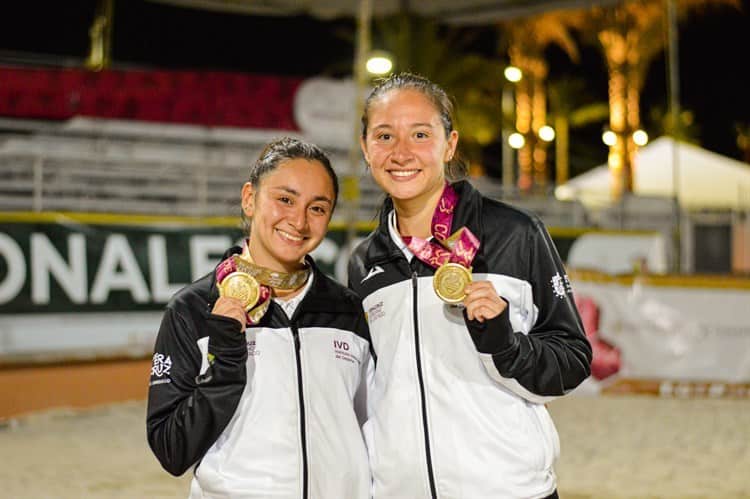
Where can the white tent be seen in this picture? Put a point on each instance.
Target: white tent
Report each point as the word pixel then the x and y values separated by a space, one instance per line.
pixel 704 179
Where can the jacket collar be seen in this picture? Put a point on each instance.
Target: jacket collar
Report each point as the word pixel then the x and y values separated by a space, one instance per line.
pixel 467 214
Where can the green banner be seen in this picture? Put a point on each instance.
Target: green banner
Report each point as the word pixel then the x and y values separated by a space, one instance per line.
pixel 70 266
pixel 96 263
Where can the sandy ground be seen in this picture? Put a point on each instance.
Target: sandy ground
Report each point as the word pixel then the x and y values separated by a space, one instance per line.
pixel 612 447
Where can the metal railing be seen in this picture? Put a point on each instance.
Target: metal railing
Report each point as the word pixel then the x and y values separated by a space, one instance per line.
pixel 140 169
pixel 117 166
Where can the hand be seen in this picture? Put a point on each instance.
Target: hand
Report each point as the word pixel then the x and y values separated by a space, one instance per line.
pixel 482 301
pixel 230 307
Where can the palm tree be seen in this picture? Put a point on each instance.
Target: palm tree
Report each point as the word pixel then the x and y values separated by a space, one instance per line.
pixel 527 38
pixel 570 107
pixel 100 35
pixel 631 34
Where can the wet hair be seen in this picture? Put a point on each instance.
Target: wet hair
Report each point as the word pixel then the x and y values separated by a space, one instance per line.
pixel 280 151
pixel 455 168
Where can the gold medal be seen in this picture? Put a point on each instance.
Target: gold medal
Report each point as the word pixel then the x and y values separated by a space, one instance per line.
pixel 242 286
pixel 450 282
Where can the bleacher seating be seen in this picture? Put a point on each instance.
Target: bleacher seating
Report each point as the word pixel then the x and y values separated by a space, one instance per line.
pixel 116 166
pixel 161 142
pixel 210 98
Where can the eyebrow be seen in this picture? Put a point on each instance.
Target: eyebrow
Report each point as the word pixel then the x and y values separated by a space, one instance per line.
pixel 296 193
pixel 413 125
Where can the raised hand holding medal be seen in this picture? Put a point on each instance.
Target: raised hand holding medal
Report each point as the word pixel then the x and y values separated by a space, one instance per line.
pixel 482 301
pixel 241 286
pixel 253 286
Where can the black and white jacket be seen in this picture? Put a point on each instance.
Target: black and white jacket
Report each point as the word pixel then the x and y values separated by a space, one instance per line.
pixel 272 411
pixel 457 408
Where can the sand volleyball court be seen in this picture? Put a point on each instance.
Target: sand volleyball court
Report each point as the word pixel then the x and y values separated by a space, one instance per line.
pixel 613 446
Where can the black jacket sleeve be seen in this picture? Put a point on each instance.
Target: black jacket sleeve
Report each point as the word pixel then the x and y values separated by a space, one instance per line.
pixel 555 356
pixel 187 411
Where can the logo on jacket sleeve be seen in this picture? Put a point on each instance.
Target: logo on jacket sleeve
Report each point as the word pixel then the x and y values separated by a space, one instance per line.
pixel 160 367
pixel 561 285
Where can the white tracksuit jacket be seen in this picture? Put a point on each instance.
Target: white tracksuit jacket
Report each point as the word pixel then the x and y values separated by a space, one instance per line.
pixel 457 409
pixel 270 412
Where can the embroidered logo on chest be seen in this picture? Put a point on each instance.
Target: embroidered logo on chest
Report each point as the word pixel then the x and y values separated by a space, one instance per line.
pixel 342 351
pixel 375 312
pixel 252 351
pixel 377 269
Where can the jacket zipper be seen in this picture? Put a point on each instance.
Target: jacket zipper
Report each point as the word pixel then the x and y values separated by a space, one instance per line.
pixel 295 333
pixel 430 473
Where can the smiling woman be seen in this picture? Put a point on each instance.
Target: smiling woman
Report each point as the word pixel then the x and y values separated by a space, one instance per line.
pixel 406 147
pixel 289 214
pixel 481 327
pixel 243 420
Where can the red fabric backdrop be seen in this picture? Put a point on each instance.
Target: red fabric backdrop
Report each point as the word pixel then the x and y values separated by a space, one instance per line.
pixel 202 98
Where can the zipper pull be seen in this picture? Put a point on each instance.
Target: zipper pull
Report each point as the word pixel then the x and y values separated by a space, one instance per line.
pixel 295 333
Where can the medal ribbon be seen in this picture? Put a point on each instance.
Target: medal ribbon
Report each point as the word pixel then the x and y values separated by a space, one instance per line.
pixel 271 278
pixel 267 279
pixel 460 247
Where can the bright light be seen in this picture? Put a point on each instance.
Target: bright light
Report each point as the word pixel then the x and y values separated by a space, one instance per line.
pixel 640 138
pixel 609 137
pixel 513 74
pixel 547 133
pixel 379 64
pixel 516 140
pixel 565 192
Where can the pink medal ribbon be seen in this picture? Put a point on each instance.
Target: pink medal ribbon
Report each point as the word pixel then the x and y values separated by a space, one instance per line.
pixel 451 256
pixel 460 247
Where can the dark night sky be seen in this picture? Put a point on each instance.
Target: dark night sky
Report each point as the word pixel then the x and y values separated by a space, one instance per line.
pixel 713 53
